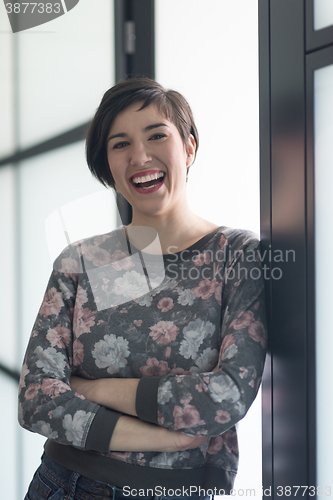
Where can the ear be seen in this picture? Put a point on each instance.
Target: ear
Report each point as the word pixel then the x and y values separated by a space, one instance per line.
pixel 191 151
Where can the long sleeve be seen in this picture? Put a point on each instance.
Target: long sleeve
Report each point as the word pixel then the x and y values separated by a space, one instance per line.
pixel 211 402
pixel 47 405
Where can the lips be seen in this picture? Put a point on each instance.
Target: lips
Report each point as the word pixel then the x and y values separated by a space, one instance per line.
pixel 148 181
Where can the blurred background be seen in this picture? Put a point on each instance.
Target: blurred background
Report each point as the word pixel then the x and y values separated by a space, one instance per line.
pixel 52 78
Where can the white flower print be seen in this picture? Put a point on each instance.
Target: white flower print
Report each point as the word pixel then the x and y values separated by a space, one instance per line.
pixel 223 388
pixel 165 459
pixel 51 361
pixel 44 429
pixel 145 300
pixel 167 284
pixel 230 352
pixel 207 361
pixel 75 426
pixel 194 334
pixel 165 393
pixel 131 284
pixel 186 297
pixel 111 353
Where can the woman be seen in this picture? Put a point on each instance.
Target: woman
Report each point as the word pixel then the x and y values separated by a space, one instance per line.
pixel 137 377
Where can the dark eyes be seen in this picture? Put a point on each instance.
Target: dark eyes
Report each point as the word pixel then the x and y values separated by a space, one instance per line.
pixel 123 144
pixel 157 136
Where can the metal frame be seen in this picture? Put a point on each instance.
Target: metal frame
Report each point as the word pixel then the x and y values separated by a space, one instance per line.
pixel 289 52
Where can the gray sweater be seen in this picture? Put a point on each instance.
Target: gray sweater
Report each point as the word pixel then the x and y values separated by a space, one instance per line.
pixel 98 319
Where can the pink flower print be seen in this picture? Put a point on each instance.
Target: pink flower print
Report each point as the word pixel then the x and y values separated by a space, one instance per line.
pixel 120 260
pixel 137 322
pixel 52 303
pixel 165 304
pixel 53 387
pixel 187 417
pixel 215 445
pixel 121 455
pixel 70 267
pixel 244 320
pixel 227 342
pixel 223 241
pixel 155 368
pixel 257 332
pixel 243 372
pixel 97 255
pixel 180 371
pixel 84 319
pixel 201 259
pixel 205 289
pixel 199 387
pixel 32 391
pixel 164 332
pixel 256 305
pixel 81 296
pixel 218 293
pixel 167 352
pixel 59 336
pixel 78 352
pixel 222 417
pixel 230 441
pixel 123 310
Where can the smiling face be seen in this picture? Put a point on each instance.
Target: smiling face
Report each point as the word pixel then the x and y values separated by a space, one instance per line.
pixel 148 161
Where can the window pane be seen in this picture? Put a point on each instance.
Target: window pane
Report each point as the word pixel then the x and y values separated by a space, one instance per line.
pixel 9 474
pixel 323 14
pixel 8 305
pixel 6 86
pixel 65 66
pixel 47 183
pixel 212 58
pixel 324 272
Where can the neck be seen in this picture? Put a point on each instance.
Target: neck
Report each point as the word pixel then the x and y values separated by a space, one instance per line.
pixel 174 229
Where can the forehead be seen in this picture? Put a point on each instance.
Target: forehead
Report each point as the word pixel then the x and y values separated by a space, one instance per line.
pixel 133 116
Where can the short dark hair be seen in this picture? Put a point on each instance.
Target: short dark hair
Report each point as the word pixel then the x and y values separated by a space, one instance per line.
pixel 171 104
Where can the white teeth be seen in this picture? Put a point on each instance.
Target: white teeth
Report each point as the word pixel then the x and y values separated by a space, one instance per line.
pixel 146 178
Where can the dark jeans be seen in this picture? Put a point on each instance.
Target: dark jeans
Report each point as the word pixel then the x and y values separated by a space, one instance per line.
pixel 54 482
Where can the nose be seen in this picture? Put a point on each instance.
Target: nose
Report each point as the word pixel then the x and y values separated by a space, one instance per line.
pixel 139 155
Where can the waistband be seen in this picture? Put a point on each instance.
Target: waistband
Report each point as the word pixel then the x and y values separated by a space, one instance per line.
pixel 108 470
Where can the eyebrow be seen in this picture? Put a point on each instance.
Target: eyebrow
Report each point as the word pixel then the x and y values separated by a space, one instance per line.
pixel 146 129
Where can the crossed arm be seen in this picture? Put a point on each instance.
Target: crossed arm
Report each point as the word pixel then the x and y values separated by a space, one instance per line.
pixel 130 433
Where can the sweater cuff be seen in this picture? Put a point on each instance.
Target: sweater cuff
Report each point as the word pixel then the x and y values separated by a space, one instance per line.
pixel 146 399
pixel 101 430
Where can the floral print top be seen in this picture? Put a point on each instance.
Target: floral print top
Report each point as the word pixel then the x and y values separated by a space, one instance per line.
pixel 196 339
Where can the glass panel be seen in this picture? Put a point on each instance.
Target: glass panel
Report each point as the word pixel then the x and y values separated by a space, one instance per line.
pixel 65 66
pixel 6 86
pixel 323 93
pixel 8 305
pixel 47 183
pixel 9 474
pixel 323 14
pixel 217 71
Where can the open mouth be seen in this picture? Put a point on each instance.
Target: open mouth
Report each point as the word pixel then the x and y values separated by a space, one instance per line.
pixel 148 182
